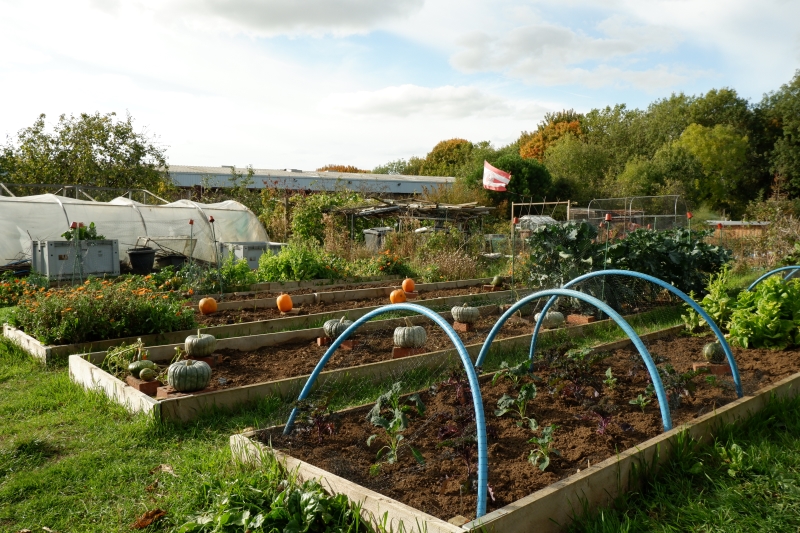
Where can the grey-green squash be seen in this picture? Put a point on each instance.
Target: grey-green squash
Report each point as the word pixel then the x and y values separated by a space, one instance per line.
pixel 148 374
pixel 189 375
pixel 410 336
pixel 497 281
pixel 553 319
pixel 200 345
pixel 333 328
pixel 465 314
pixel 713 353
pixel 136 367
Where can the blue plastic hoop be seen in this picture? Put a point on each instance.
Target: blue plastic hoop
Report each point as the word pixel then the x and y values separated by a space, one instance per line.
pixel 480 422
pixel 737 380
pixel 772 272
pixel 661 394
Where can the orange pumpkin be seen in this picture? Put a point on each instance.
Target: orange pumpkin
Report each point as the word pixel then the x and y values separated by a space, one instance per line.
pixel 408 285
pixel 207 306
pixel 284 302
pixel 398 296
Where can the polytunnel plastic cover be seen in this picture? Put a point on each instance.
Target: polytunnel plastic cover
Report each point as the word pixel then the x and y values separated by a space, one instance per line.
pixel 45 217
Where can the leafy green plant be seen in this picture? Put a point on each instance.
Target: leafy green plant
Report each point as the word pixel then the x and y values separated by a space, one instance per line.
pixel 100 309
pixel 540 455
pixel 678 385
pixel 641 401
pixel 394 422
pixel 768 316
pixel 561 252
pixel 610 382
pixel 82 233
pixel 518 406
pixel 679 257
pixel 514 373
pixel 119 357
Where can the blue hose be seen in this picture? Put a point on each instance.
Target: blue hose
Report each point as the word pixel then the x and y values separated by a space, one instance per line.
pixel 771 272
pixel 648 361
pixel 480 422
pixel 737 380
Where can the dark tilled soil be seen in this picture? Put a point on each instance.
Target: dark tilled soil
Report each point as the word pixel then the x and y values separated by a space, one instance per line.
pixel 296 359
pixel 441 487
pixel 235 316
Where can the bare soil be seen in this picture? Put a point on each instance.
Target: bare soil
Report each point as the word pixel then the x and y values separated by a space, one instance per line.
pixel 235 316
pixel 299 358
pixel 230 297
pixel 443 487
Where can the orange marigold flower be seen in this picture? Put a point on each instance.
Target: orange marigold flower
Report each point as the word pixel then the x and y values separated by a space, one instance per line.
pixel 98 297
pixel 165 297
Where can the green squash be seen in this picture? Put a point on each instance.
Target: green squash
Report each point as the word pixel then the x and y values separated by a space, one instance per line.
pixel 497 281
pixel 136 367
pixel 410 336
pixel 334 328
pixel 200 345
pixel 465 314
pixel 713 353
pixel 148 374
pixel 189 375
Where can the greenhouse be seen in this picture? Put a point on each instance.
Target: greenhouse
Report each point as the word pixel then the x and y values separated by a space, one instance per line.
pixel 183 227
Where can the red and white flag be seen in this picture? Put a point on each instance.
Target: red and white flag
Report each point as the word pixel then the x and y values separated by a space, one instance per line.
pixel 494 179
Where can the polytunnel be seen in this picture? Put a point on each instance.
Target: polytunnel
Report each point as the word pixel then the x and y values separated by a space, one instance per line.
pixel 46 217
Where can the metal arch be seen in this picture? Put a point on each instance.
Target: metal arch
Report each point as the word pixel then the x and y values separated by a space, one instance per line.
pixel 64 209
pixel 648 361
pixel 793 268
pixel 144 224
pixel 661 283
pixel 480 422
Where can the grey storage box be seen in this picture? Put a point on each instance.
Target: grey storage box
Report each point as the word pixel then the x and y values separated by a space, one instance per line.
pixel 375 237
pixel 251 251
pixel 61 260
pixel 276 247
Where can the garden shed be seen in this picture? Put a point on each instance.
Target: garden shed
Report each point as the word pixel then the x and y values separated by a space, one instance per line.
pixel 46 217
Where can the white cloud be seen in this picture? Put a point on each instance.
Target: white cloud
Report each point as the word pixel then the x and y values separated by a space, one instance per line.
pixel 449 102
pixel 293 17
pixel 554 55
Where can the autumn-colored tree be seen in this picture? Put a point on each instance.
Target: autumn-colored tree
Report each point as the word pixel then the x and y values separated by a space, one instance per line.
pixel 533 145
pixel 342 168
pixel 446 158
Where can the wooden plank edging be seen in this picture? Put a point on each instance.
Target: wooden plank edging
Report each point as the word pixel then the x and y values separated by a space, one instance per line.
pixel 92 377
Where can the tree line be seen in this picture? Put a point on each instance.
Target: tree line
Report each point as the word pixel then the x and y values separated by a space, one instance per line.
pixel 717 150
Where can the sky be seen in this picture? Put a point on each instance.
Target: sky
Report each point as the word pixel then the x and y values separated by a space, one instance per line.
pixel 304 83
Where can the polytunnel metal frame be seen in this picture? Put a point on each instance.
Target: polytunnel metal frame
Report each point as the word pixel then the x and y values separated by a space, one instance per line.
pixel 661 394
pixel 661 283
pixel 793 268
pixel 480 422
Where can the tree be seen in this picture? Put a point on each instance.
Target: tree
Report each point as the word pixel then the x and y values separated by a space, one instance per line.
pixel 782 109
pixel 577 168
pixel 529 178
pixel 555 125
pixel 722 153
pixel 446 158
pixel 96 150
pixel 342 168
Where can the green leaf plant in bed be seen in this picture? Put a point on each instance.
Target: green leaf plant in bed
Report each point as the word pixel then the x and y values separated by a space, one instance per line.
pixel 768 316
pixel 540 455
pixel 389 413
pixel 518 406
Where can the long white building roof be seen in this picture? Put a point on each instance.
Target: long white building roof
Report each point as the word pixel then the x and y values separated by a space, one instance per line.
pixel 191 176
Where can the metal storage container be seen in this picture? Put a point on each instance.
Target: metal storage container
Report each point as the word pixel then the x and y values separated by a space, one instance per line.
pixel 374 238
pixel 251 251
pixel 61 260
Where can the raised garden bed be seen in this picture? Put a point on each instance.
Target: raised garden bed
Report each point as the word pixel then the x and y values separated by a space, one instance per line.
pixel 346 287
pixel 526 499
pixel 47 354
pixel 84 369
